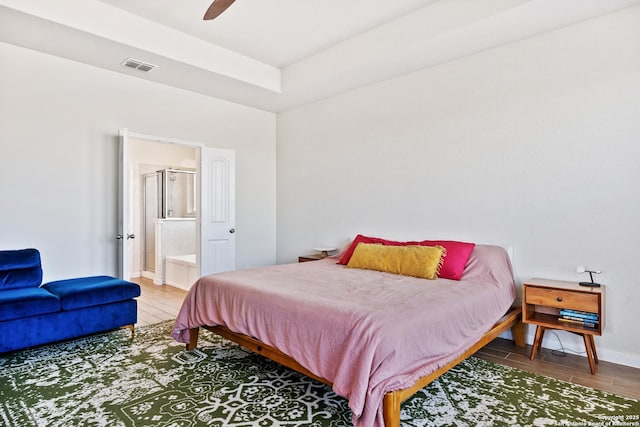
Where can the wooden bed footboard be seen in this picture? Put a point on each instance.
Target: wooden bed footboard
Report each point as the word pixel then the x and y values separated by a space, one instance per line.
pixel 393 399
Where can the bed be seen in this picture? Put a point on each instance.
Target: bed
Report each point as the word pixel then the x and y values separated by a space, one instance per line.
pixel 375 337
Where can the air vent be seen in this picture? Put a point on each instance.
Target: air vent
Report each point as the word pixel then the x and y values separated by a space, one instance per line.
pixel 138 65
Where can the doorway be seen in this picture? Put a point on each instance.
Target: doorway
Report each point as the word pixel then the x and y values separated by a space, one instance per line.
pixel 193 217
pixel 163 211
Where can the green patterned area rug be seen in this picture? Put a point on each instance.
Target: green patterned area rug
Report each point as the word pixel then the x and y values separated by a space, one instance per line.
pixel 109 380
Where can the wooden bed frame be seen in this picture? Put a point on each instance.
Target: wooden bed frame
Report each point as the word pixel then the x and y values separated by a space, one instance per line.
pixel 393 399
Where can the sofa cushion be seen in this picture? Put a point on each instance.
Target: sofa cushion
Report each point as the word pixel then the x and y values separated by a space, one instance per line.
pixel 90 291
pixel 26 302
pixel 20 269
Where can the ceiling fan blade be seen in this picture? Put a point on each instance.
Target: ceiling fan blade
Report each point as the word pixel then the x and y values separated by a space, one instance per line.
pixel 216 8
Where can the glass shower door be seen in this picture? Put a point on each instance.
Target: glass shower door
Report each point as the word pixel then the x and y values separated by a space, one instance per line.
pixel 178 199
pixel 151 213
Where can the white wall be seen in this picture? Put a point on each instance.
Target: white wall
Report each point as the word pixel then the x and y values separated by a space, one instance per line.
pixel 534 144
pixel 58 151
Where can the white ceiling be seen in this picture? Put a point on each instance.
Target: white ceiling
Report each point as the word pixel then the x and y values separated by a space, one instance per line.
pixel 279 54
pixel 277 32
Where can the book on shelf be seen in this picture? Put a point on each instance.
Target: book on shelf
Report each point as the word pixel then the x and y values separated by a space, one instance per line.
pixel 579 314
pixel 580 322
pixel 579 319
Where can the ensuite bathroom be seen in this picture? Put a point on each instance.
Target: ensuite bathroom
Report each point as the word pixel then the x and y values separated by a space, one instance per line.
pixel 163 212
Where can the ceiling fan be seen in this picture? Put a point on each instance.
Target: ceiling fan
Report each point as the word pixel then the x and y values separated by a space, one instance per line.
pixel 216 8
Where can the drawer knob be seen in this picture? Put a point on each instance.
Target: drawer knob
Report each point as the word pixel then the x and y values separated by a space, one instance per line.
pixel 559 299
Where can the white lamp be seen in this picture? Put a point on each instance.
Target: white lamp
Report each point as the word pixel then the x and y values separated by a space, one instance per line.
pixel 324 250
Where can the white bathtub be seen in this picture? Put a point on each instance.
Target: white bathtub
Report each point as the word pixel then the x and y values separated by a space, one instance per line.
pixel 180 271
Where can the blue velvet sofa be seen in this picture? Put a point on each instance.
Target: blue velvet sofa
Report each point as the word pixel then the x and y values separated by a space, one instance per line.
pixel 32 313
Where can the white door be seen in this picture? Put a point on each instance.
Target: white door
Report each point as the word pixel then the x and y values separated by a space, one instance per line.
pixel 124 233
pixel 216 210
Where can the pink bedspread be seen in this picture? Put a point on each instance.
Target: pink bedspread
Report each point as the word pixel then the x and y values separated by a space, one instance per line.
pixel 365 331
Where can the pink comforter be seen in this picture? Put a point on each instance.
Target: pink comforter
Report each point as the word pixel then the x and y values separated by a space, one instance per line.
pixel 365 331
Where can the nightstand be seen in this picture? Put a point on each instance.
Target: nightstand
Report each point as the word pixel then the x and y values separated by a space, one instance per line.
pixel 312 257
pixel 567 306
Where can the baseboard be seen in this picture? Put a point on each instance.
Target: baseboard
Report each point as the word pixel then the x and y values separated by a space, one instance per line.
pixel 148 274
pixel 177 285
pixel 632 360
pixel 556 340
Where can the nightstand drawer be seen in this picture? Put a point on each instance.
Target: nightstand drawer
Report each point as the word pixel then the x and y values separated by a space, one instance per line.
pixel 558 298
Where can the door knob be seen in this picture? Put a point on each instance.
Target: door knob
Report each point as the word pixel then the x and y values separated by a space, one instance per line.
pixel 232 230
pixel 119 236
pixel 131 236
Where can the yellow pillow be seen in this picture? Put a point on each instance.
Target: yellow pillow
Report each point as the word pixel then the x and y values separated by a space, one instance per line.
pixel 415 261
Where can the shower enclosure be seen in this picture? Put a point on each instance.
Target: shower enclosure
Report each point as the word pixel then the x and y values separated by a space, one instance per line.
pixel 168 194
pixel 178 193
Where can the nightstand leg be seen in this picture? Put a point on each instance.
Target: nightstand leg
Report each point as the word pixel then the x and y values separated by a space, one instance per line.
pixel 590 352
pixel 593 347
pixel 537 342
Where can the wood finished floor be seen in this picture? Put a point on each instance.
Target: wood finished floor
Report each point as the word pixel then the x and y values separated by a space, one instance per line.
pixel 162 302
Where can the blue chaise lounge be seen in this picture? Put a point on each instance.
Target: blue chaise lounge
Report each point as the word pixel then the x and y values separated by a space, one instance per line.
pixel 32 313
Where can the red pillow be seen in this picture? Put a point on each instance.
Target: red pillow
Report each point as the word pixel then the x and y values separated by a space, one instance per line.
pixel 364 239
pixel 456 257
